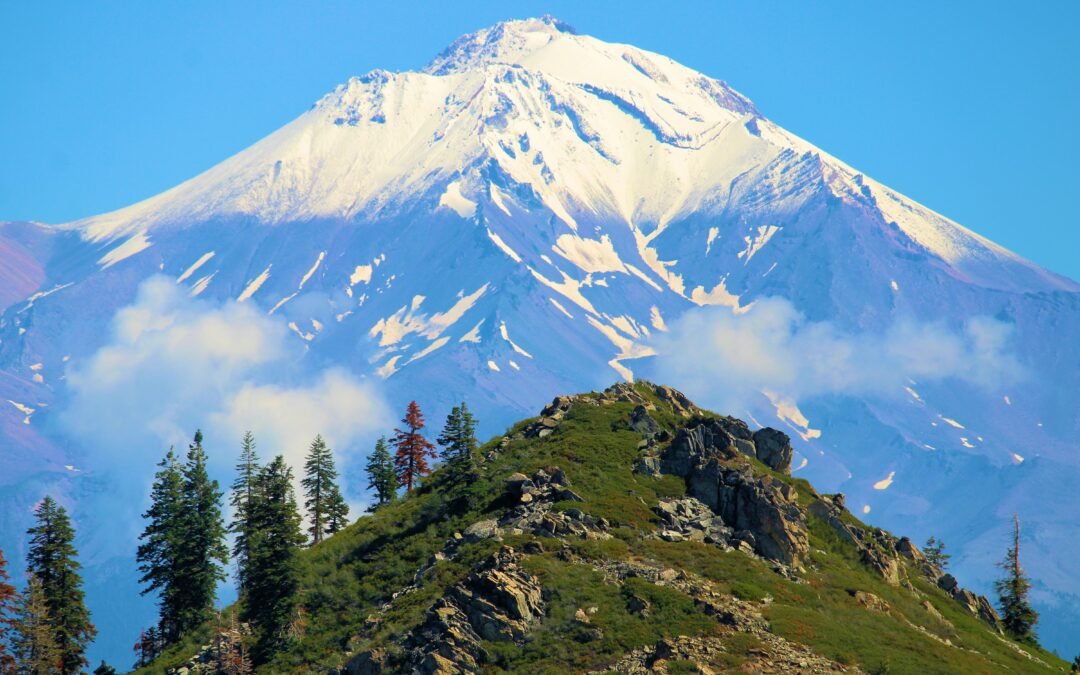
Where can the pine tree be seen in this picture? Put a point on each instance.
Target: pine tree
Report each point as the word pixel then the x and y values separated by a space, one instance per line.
pixel 935 554
pixel 52 562
pixel 321 493
pixel 382 477
pixel 273 579
pixel 413 450
pixel 243 492
pixel 159 553
pixel 1018 617
pixel 204 553
pixel 9 599
pixel 33 640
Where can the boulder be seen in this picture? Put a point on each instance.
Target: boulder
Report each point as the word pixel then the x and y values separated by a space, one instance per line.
pixel 482 529
pixel 774 449
pixel 870 601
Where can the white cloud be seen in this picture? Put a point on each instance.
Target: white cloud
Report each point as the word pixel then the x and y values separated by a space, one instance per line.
pixel 730 358
pixel 172 364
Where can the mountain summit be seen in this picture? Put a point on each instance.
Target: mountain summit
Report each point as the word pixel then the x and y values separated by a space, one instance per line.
pixel 535 212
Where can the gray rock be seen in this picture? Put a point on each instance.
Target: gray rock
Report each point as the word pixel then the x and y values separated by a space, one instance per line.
pixel 482 529
pixel 774 449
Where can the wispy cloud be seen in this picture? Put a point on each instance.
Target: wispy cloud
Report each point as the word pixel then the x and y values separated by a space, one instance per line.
pixel 731 358
pixel 172 363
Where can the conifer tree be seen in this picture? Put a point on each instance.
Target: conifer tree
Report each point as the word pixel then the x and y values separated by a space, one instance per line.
pixel 159 553
pixel 337 512
pixel 935 553
pixel 382 477
pixel 413 450
pixel 51 560
pixel 204 553
pixel 33 640
pixel 458 439
pixel 9 599
pixel 273 579
pixel 104 669
pixel 321 494
pixel 458 436
pixel 243 493
pixel 1018 617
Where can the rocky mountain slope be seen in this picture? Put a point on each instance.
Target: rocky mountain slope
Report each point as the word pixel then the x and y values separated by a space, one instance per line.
pixel 629 531
pixel 535 212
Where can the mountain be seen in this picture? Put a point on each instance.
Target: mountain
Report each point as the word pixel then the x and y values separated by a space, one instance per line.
pixel 626 531
pixel 536 212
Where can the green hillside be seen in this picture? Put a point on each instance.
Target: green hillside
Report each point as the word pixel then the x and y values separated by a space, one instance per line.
pixel 627 531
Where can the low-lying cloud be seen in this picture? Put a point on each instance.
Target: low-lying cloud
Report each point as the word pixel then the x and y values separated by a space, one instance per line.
pixel 172 364
pixel 733 357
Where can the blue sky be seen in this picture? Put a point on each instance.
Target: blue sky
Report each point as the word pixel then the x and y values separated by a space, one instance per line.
pixel 970 108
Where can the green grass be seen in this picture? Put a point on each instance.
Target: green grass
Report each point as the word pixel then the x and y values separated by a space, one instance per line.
pixel 346 578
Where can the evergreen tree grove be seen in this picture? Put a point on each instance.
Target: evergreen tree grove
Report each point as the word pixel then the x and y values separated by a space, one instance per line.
pixel 382 477
pixel 51 561
pixel 243 495
pixel 33 639
pixel 273 579
pixel 413 450
pixel 1018 617
pixel 8 605
pixel 322 498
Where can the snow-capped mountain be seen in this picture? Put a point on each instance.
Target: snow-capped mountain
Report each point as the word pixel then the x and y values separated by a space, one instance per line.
pixel 531 214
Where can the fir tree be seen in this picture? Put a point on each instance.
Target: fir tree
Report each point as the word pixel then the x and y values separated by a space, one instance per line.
pixel 243 493
pixel 337 512
pixel 51 560
pixel 935 554
pixel 413 450
pixel 273 579
pixel 148 647
pixel 159 553
pixel 382 477
pixel 8 605
pixel 1018 617
pixel 104 669
pixel 202 557
pixel 33 640
pixel 458 436
pixel 321 493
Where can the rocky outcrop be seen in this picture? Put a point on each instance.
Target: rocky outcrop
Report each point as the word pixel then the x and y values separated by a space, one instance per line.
pixel 773 449
pixel 534 513
pixel 877 549
pixel 976 605
pixel 765 509
pixel 498 602
pixel 691 520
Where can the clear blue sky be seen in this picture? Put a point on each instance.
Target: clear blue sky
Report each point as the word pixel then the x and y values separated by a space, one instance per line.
pixel 970 108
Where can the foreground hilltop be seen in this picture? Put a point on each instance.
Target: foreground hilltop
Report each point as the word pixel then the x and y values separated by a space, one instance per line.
pixel 627 531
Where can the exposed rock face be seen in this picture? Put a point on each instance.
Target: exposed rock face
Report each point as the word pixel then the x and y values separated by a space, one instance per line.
pixel 976 605
pixel 878 549
pixel 870 601
pixel 774 449
pixel 498 601
pixel 766 508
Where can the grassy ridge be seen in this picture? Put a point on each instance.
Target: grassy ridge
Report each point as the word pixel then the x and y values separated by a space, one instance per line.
pixel 347 577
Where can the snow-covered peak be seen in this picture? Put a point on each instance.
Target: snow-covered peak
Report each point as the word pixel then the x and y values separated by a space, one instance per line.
pixel 592 129
pixel 505 42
